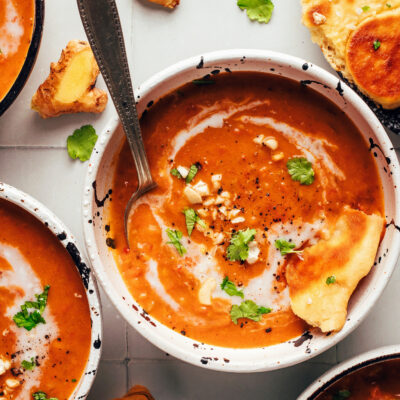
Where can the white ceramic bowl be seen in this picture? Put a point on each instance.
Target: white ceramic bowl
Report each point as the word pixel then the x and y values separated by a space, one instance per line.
pixel 49 219
pixel 100 173
pixel 354 364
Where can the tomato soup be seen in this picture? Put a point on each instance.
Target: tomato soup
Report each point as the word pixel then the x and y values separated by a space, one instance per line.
pixel 45 348
pixel 376 382
pixel 204 257
pixel 16 28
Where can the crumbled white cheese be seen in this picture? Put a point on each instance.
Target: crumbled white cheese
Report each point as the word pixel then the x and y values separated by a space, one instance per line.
pixel 234 212
pixel 271 143
pixel 209 202
pixel 205 291
pixel 218 238
pixel 201 188
pixel 222 210
pixel 226 195
pixel 202 212
pixel 183 171
pixel 254 252
pixel 318 18
pixel 278 156
pixel 12 383
pixel 216 181
pixel 192 195
pixel 5 365
pixel 237 220
pixel 258 139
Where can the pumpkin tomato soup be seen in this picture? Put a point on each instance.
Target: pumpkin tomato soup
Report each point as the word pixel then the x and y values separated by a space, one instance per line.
pixel 254 172
pixel 16 28
pixel 379 381
pixel 44 315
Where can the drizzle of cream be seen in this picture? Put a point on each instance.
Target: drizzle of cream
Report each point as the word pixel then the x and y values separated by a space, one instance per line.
pixel 28 343
pixel 11 31
pixel 313 148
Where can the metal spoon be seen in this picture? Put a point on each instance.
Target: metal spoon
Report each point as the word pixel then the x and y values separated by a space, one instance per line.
pixel 103 28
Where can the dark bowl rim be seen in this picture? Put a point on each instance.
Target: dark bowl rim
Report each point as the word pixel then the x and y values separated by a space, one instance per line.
pixel 353 368
pixel 29 60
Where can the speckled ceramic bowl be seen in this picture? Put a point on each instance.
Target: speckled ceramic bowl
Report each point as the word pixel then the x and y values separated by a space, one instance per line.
pixel 30 59
pixel 354 364
pixel 66 238
pixel 97 194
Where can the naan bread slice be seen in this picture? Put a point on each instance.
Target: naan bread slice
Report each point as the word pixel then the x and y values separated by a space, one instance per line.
pixel 332 22
pixel 348 254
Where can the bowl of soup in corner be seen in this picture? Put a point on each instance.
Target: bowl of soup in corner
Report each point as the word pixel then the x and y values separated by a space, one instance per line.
pixel 272 231
pixel 373 375
pixel 21 25
pixel 50 316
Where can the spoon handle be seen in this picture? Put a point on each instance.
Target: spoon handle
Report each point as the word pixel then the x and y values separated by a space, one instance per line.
pixel 103 29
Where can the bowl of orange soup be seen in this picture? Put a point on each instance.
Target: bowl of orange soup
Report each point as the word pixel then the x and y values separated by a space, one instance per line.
pixel 21 25
pixel 373 375
pixel 274 226
pixel 50 319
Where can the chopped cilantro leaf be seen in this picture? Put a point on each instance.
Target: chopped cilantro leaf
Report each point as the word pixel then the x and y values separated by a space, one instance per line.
pixel 192 173
pixel 257 10
pixel 81 143
pixel 248 309
pixel 285 247
pixel 42 396
pixel 28 365
pixel 175 237
pixel 176 173
pixel 365 8
pixel 191 218
pixel 28 320
pixel 300 169
pixel 388 5
pixel 73 380
pixel 342 394
pixel 230 288
pixel 377 44
pixel 238 250
pixel 330 280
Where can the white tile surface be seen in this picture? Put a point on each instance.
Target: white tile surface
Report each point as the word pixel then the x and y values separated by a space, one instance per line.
pixel 33 158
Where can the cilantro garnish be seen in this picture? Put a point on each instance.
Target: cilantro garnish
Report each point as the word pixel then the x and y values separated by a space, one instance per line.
pixel 248 309
pixel 192 173
pixel 300 169
pixel 81 143
pixel 238 250
pixel 365 8
pixel 342 394
pixel 191 218
pixel 175 237
pixel 286 247
pixel 330 280
pixel 42 396
pixel 230 288
pixel 28 365
pixel 257 10
pixel 28 320
pixel 176 173
pixel 377 44
pixel 388 5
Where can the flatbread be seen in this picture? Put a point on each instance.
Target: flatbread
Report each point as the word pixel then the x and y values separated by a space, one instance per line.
pixel 333 22
pixel 347 254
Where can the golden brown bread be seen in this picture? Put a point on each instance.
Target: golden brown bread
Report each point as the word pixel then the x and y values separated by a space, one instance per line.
pixel 166 3
pixel 333 22
pixel 347 254
pixel 70 86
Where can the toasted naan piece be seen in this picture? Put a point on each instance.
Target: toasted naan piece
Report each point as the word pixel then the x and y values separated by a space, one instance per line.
pixel 333 22
pixel 166 3
pixel 347 254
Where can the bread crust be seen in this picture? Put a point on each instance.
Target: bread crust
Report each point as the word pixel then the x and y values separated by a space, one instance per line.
pixel 333 22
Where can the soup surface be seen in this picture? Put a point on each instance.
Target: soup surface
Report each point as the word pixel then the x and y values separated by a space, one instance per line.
pixel 48 356
pixel 16 27
pixel 376 382
pixel 202 285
